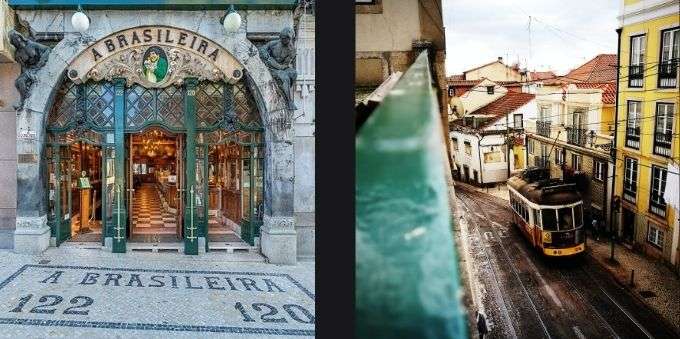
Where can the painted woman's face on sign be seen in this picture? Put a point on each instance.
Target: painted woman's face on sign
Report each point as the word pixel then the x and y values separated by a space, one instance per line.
pixel 155 65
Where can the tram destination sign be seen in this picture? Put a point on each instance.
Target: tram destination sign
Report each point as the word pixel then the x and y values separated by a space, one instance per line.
pixel 160 300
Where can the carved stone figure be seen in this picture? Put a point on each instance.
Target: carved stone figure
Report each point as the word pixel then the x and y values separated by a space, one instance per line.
pixel 31 56
pixel 279 55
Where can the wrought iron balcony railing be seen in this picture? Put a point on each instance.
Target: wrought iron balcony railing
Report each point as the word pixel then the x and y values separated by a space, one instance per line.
pixel 629 192
pixel 576 136
pixel 633 137
pixel 668 73
pixel 403 218
pixel 662 143
pixel 543 128
pixel 635 75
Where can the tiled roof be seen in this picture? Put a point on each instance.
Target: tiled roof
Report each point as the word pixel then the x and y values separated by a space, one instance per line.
pixel 456 77
pixel 464 82
pixel 608 90
pixel 460 87
pixel 500 107
pixel 541 75
pixel 601 68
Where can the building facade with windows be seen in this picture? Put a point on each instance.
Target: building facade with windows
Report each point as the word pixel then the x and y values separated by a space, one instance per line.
pixel 573 131
pixel 390 35
pixel 648 128
pixel 487 143
pixel 156 123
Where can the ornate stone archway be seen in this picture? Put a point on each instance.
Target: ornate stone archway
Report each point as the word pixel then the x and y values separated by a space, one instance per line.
pixel 240 58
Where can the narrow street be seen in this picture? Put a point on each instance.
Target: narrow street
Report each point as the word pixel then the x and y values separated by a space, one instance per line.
pixel 527 296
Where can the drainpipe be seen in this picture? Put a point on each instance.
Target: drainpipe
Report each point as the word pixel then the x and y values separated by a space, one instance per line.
pixel 616 134
pixel 507 139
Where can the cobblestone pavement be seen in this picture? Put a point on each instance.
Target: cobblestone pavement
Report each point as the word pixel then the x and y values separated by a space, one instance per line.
pixel 650 276
pixel 525 295
pixel 72 292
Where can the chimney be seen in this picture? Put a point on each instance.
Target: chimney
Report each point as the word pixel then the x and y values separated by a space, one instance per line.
pixel 500 59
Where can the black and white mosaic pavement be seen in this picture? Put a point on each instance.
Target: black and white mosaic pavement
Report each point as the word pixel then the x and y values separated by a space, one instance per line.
pixel 136 295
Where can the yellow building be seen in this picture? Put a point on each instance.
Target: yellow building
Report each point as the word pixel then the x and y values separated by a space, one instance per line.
pixel 648 127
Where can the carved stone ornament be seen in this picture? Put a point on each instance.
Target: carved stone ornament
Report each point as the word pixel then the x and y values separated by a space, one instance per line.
pixel 32 56
pixel 279 56
pixel 130 64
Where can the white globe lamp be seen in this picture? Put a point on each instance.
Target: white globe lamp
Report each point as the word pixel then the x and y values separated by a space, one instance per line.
pixel 232 21
pixel 80 21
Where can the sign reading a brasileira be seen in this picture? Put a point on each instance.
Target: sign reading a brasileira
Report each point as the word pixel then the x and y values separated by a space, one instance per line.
pixel 220 302
pixel 155 56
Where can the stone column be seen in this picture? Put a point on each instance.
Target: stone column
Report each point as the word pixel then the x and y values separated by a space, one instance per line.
pixel 32 235
pixel 278 236
pixel 304 124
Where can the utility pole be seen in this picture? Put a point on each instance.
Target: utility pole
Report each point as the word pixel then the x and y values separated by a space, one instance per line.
pixel 616 204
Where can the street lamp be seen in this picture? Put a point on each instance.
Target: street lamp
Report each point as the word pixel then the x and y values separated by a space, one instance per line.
pixel 80 21
pixel 231 21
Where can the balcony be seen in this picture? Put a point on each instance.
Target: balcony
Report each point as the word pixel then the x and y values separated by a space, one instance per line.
pixel 633 137
pixel 543 128
pixel 576 136
pixel 542 161
pixel 657 208
pixel 635 75
pixel 668 72
pixel 629 193
pixel 662 143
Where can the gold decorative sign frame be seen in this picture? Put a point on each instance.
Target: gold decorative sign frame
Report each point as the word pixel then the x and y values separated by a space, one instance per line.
pixel 181 53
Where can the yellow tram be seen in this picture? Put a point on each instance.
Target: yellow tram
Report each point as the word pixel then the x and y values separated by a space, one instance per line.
pixel 549 212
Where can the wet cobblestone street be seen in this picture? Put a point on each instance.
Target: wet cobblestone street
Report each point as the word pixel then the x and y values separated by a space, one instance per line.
pixel 525 295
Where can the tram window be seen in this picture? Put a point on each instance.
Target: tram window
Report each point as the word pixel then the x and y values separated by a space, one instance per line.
pixel 578 215
pixel 537 218
pixel 566 219
pixel 549 220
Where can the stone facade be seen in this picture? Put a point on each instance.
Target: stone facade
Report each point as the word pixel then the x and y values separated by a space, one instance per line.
pixel 288 203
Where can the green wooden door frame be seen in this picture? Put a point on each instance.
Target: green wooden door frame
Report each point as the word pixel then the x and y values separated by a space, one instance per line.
pixel 190 217
pixel 120 209
pixel 61 226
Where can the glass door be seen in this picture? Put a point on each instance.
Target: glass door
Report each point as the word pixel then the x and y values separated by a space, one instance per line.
pixel 180 183
pixel 201 190
pixel 108 191
pixel 59 184
pixel 129 184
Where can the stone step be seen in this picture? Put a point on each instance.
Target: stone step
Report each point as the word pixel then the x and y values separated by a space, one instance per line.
pixel 231 247
pixel 171 247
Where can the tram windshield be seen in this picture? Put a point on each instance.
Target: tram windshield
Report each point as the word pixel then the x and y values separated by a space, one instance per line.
pixel 562 219
pixel 566 219
pixel 549 220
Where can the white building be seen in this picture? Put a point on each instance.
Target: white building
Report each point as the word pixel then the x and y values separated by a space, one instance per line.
pixel 479 140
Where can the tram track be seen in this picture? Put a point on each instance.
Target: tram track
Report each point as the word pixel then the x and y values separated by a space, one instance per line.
pixel 594 305
pixel 584 301
pixel 509 262
pixel 497 282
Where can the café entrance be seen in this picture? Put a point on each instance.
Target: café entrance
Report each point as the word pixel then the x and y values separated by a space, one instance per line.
pixel 130 164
